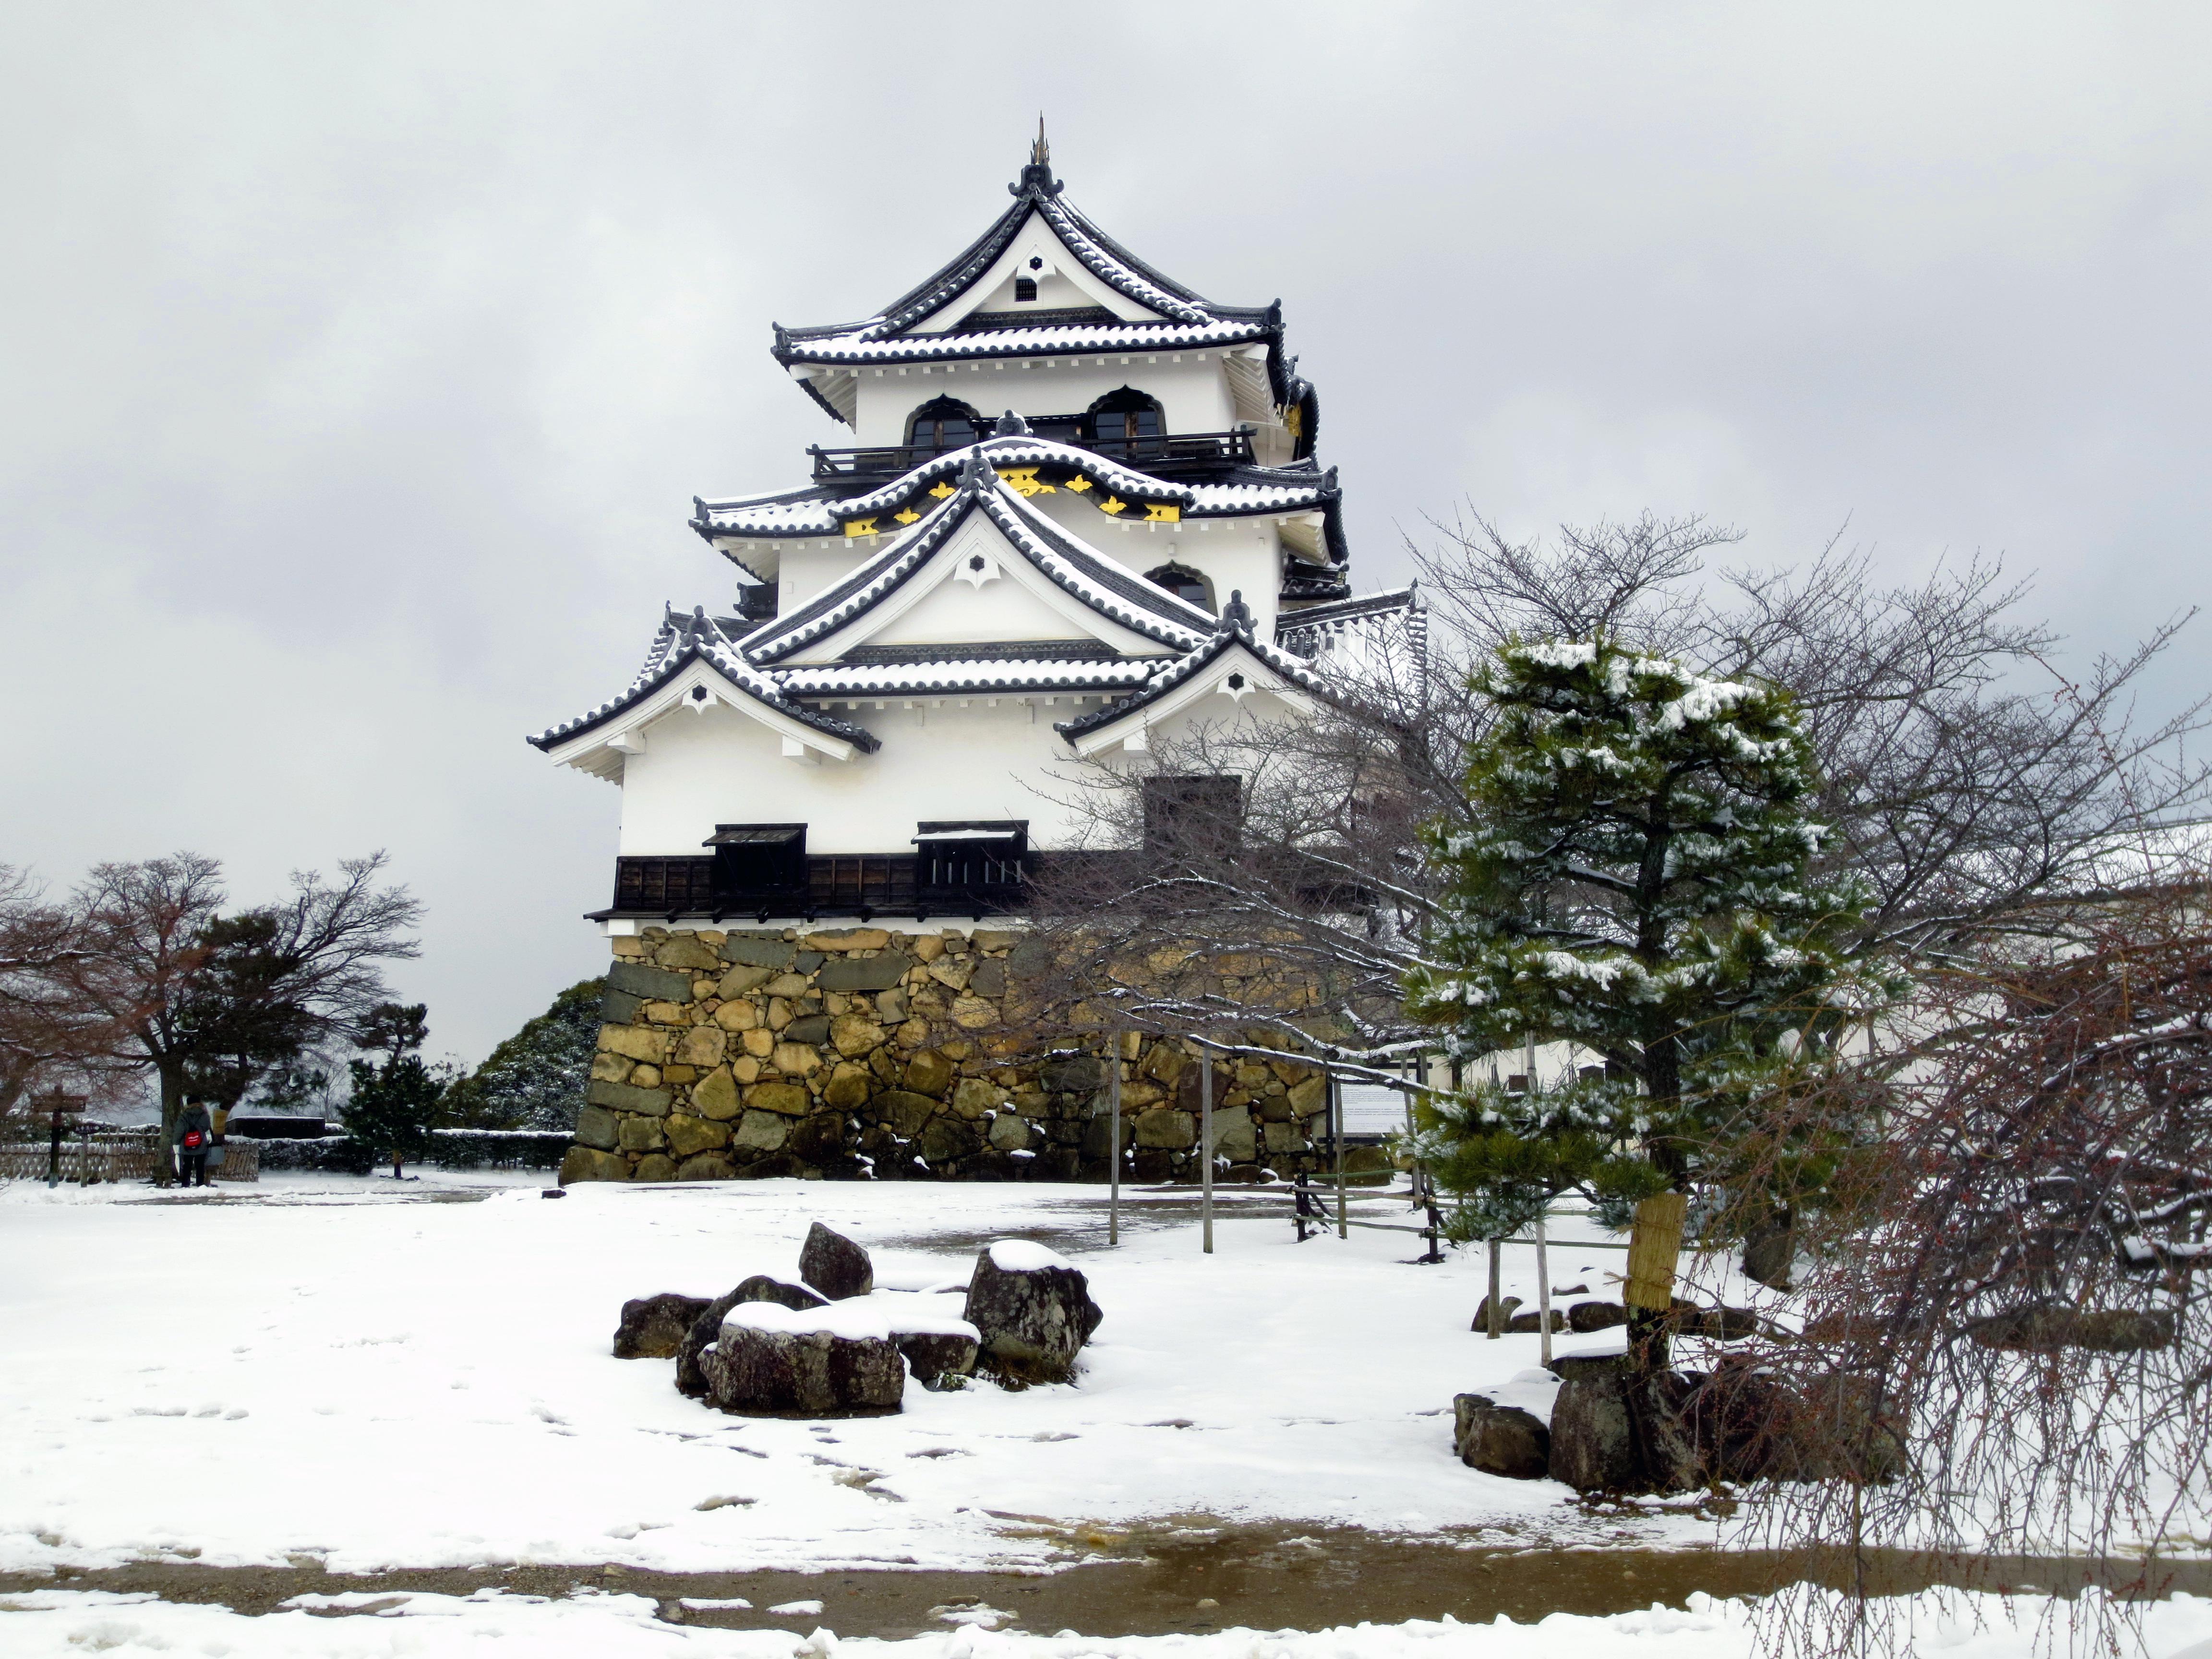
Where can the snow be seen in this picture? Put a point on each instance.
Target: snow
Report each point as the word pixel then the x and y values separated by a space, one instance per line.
pixel 1019 1256
pixel 49 1624
pixel 855 1321
pixel 445 1370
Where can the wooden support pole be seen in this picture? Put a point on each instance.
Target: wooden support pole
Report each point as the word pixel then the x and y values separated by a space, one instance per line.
pixel 1336 1135
pixel 1497 1288
pixel 1654 1245
pixel 1114 1157
pixel 1543 1297
pixel 1206 1148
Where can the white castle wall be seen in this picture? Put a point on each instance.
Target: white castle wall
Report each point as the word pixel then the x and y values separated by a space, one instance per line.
pixel 1193 391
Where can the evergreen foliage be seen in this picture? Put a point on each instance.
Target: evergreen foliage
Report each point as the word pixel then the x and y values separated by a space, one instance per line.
pixel 535 1079
pixel 1639 883
pixel 395 1098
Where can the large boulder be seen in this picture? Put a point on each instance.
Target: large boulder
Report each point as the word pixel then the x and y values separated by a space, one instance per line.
pixel 1587 1316
pixel 689 1379
pixel 940 1349
pixel 1770 1248
pixel 1620 1431
pixel 1032 1311
pixel 1500 1439
pixel 834 1266
pixel 835 1361
pixel 654 1327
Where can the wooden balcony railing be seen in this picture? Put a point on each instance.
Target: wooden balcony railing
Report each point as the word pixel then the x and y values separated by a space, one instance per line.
pixel 1170 456
pixel 862 885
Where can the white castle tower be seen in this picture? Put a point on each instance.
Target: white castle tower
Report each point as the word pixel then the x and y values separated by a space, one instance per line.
pixel 1082 511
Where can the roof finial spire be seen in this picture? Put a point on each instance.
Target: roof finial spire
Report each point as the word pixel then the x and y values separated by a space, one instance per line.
pixel 1036 177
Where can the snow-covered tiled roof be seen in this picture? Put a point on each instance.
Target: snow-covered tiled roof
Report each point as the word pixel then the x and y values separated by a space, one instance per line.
pixel 1100 583
pixel 682 640
pixel 1236 627
pixel 958 674
pixel 1040 194
pixel 1072 340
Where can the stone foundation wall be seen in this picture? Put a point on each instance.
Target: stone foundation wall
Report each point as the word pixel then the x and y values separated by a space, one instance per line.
pixel 862 1052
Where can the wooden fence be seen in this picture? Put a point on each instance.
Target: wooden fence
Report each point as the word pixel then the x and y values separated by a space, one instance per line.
pixel 116 1156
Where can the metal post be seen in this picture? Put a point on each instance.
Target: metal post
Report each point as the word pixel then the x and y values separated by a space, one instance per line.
pixel 1113 1158
pixel 1543 1297
pixel 1497 1288
pixel 1206 1148
pixel 54 1152
pixel 1336 1134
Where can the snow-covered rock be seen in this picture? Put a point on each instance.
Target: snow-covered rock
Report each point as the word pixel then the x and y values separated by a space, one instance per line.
pixel 840 1360
pixel 1032 1311
pixel 761 1287
pixel 654 1327
pixel 834 1265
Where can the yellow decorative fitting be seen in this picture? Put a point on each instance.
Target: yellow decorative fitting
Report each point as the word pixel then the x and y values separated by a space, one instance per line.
pixel 1294 420
pixel 906 515
pixel 1163 513
pixel 1112 504
pixel 860 526
pixel 1022 480
pixel 941 490
pixel 1078 484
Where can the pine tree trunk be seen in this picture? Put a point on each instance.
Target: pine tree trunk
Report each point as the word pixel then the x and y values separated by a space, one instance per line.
pixel 171 1074
pixel 1654 1245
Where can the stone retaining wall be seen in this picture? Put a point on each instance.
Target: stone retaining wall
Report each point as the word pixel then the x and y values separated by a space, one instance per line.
pixel 863 1052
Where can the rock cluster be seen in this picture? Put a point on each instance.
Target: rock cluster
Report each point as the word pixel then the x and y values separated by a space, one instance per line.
pixel 834 1347
pixel 862 1052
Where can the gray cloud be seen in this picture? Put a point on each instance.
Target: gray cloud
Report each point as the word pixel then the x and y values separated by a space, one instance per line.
pixel 357 364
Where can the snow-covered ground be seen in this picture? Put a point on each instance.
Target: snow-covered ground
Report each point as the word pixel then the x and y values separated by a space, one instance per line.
pixel 62 1622
pixel 336 1370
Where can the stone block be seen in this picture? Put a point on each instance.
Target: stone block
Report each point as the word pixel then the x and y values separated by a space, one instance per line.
pixel 788 985
pixel 1072 1074
pixel 743 979
pixel 595 1126
pixel 624 1097
pixel 819 1139
pixel 928 947
pixel 646 1076
pixel 849 1086
pixel 904 1110
pixel 975 1097
pixel 707 1166
pixel 878 973
pixel 891 1006
pixel 738 1014
pixel 802 1372
pixel 950 972
pixel 807 1028
pixel 667 1014
pixel 1165 1063
pixel 989 980
pixel 634 1042
pixel 945 1139
pixel 1283 1137
pixel 751 950
pixel 1501 1440
pixel 624 947
pixel 853 1034
pixel 609 1068
pixel 619 1007
pixel 640 1134
pixel 687 1135
pixel 1233 1138
pixel 913 1034
pixel 929 1072
pixel 761 1132
pixel 796 1058
pixel 716 1095
pixel 831 942
pixel 701 1046
pixel 994 938
pixel 1309 1096
pixel 1165 1127
pixel 973 1013
pixel 787 1098
pixel 834 1265
pixel 1033 1320
pixel 655 1166
pixel 1009 1134
pixel 654 984
pixel 585 1164
pixel 759 1042
pixel 806 962
pixel 684 950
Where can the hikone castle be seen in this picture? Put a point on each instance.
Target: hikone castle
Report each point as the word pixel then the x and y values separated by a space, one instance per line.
pixel 1083 513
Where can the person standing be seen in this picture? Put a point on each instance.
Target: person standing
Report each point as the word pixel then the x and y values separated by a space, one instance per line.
pixel 195 1134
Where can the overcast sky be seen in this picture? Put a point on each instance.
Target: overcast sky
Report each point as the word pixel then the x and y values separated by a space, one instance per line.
pixel 358 363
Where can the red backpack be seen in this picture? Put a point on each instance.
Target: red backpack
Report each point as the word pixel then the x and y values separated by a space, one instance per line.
pixel 193 1138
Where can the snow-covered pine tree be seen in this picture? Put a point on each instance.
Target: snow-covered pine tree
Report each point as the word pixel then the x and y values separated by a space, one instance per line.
pixel 1640 885
pixel 535 1079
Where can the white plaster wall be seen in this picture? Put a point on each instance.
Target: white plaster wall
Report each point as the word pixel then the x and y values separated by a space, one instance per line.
pixel 984 761
pixel 1233 554
pixel 1192 386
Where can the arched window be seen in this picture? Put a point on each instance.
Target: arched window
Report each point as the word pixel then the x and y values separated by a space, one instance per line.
pixel 1184 583
pixel 1126 423
pixel 1024 288
pixel 943 424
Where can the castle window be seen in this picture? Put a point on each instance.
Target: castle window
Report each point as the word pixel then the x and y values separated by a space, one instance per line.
pixel 1024 288
pixel 1184 583
pixel 1127 423
pixel 943 424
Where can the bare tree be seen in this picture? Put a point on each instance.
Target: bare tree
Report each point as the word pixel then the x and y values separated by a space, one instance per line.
pixel 2009 1277
pixel 188 990
pixel 47 1038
